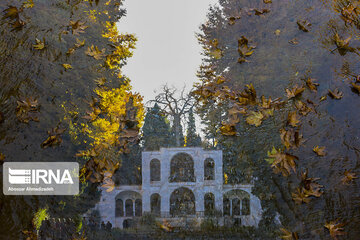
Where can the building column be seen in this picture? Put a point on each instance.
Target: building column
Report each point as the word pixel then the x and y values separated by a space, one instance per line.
pixel 133 206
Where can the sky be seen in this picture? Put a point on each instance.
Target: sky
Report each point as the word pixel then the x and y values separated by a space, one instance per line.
pixel 167 49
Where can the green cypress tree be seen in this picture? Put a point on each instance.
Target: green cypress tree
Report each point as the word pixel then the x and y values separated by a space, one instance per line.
pixel 192 138
pixel 156 129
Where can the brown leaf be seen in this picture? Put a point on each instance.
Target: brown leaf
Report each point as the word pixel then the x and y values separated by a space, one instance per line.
pixel 255 118
pixel 228 130
pixel 27 110
pixel 336 94
pixel 301 196
pixel 320 151
pixel 356 87
pixel 293 119
pixel 304 25
pixel 2 157
pixel 294 41
pixel 312 85
pixel 290 138
pixel 335 229
pixel 303 108
pixel 77 27
pixel 287 235
pixel 295 91
pixel 282 162
pixel 348 177
pixel 54 138
pixel 260 12
pixel 232 20
pixel 267 1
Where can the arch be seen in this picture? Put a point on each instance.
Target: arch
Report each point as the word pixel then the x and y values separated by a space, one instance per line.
pixel 155 203
pixel 129 208
pixel 226 207
pixel 209 204
pixel 182 202
pixel 245 206
pixel 236 207
pixel 119 208
pixel 182 168
pixel 128 223
pixel 155 170
pixel 138 207
pixel 209 169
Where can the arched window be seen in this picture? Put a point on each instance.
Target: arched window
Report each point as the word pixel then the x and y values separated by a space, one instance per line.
pixel 226 204
pixel 129 211
pixel 128 223
pixel 155 170
pixel 209 203
pixel 182 168
pixel 138 207
pixel 245 209
pixel 119 208
pixel 236 207
pixel 182 202
pixel 209 169
pixel 155 202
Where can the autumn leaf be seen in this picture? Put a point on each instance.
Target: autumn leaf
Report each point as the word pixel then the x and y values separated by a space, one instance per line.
pixel 232 20
pixel 39 45
pixel 304 25
pixel 77 27
pixel 108 184
pixel 255 118
pixel 310 185
pixel 217 53
pixel 348 177
pixel 287 235
pixel 100 81
pixel 79 43
pixel 54 137
pixel 336 94
pixel 312 85
pixel 95 52
pixel 228 130
pixel 323 98
pixel 281 162
pixel 335 229
pixel 320 151
pixel 304 108
pixel 28 4
pixel 27 109
pixel 295 91
pixel 267 1
pixel 244 49
pixel 342 44
pixel 260 12
pixel 2 157
pixel 67 66
pixel 355 87
pixel 12 13
pixel 294 41
pixel 300 196
pixel 290 138
pixel 293 119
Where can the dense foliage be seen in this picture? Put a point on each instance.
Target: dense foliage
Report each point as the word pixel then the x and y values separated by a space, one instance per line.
pixel 277 92
pixel 62 93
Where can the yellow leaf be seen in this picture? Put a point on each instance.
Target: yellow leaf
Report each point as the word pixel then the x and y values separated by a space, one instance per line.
pixel 67 66
pixel 255 118
pixel 39 44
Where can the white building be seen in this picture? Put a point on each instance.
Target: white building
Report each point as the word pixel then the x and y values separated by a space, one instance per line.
pixel 181 185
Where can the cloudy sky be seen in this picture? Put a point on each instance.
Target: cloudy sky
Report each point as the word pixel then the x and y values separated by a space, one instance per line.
pixel 167 49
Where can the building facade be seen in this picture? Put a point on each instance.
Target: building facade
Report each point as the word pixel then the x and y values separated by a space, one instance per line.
pixel 182 186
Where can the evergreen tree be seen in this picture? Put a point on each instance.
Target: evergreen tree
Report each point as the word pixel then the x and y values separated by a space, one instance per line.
pixel 173 136
pixel 156 130
pixel 192 138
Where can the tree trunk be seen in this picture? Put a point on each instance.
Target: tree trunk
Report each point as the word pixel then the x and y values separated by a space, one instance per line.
pixel 177 123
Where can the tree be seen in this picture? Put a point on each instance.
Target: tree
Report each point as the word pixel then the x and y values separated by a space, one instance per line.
pixel 176 107
pixel 62 91
pixel 192 138
pixel 241 81
pixel 156 130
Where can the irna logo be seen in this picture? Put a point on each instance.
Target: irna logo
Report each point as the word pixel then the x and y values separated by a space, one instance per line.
pixel 35 176
pixel 41 178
